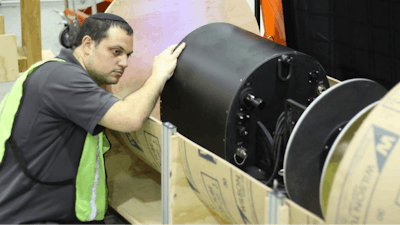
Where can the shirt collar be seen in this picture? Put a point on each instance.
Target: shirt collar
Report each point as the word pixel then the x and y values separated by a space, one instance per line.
pixel 67 55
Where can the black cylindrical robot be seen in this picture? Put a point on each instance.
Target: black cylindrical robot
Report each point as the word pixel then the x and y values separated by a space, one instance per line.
pixel 230 91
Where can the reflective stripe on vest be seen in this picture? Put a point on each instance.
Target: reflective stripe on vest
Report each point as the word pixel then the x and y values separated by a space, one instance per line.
pixel 91 187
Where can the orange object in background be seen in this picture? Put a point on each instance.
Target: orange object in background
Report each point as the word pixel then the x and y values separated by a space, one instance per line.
pixel 274 26
pixel 82 14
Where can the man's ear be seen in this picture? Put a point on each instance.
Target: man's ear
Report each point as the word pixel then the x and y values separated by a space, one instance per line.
pixel 87 44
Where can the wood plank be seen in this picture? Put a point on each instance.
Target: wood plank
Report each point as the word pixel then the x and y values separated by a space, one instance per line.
pixel 332 81
pixel 31 30
pixel 8 58
pixel 299 215
pixel 241 191
pixel 234 195
pixel 186 207
pixel 145 143
pixel 134 187
pixel 47 54
pixel 204 188
pixel 2 28
pixel 22 59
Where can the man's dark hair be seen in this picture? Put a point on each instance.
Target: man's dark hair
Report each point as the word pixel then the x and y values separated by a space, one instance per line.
pixel 97 29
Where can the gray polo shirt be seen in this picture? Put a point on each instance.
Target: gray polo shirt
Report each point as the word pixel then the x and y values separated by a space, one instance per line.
pixel 60 104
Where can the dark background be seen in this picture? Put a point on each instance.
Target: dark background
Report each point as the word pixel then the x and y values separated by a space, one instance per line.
pixel 351 39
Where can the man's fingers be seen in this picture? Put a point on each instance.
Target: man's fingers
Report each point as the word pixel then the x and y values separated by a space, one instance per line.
pixel 179 50
pixel 171 48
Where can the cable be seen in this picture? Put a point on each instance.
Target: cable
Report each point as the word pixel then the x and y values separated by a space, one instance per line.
pixel 266 142
pixel 277 146
pixel 279 123
pixel 273 144
pixel 265 132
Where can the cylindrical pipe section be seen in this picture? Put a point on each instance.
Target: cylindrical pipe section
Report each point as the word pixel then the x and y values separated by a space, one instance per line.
pixel 226 81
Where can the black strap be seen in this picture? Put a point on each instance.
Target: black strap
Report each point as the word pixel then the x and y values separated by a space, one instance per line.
pixel 20 158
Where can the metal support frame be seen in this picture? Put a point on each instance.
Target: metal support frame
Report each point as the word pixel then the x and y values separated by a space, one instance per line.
pixel 168 129
pixel 275 199
pixel 94 7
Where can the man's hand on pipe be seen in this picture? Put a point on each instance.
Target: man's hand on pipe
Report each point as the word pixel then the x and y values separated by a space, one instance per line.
pixel 164 64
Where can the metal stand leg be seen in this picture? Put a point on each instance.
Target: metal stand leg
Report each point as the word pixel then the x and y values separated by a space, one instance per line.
pixel 275 199
pixel 94 7
pixel 168 130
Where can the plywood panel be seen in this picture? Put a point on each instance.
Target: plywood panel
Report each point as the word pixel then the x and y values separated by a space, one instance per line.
pixel 8 58
pixel 186 207
pixel 204 188
pixel 22 59
pixel 31 30
pixel 134 187
pixel 158 24
pixel 2 29
pixel 332 81
pixel 233 194
pixel 299 215
pixel 47 54
pixel 145 143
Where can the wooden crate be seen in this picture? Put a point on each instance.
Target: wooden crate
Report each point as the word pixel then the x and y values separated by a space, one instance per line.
pixel 8 58
pixel 204 188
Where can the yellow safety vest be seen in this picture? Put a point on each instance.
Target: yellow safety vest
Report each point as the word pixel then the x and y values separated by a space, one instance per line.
pixel 91 187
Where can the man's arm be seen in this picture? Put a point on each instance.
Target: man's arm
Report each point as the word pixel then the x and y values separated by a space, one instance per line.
pixel 128 114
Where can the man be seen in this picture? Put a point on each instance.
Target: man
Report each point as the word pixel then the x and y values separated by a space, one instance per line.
pixel 51 152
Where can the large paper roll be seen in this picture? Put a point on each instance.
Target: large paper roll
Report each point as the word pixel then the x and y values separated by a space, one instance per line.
pixel 337 151
pixel 366 186
pixel 315 132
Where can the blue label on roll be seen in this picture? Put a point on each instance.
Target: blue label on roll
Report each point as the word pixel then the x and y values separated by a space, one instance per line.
pixel 384 144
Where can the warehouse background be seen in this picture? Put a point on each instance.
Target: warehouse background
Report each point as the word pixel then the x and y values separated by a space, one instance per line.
pixel 50 20
pixel 359 38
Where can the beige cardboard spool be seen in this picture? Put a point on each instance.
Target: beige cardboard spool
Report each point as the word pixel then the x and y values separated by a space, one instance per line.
pixel 186 207
pixel 228 191
pixel 366 186
pixel 134 187
pixel 145 143
pixel 336 152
